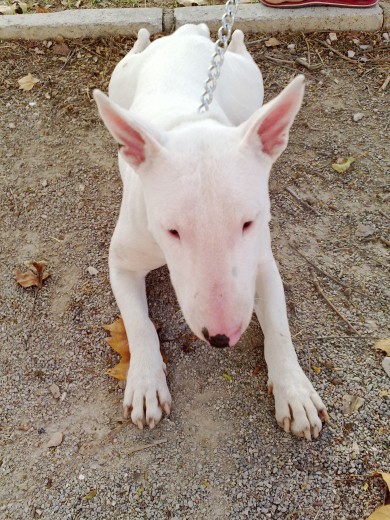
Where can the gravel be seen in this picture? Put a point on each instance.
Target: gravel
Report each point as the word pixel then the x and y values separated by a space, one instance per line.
pixel 224 455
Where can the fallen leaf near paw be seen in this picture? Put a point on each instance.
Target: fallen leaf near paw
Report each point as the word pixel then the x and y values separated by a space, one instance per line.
pixel 352 403
pixel 36 274
pixel 118 342
pixel 383 512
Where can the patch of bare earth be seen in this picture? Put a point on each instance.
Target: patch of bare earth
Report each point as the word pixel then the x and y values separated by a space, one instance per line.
pixel 223 455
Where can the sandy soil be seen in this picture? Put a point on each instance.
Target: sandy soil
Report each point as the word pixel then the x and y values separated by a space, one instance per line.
pixel 223 455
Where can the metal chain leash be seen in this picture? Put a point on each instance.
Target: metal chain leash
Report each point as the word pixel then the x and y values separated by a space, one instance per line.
pixel 224 35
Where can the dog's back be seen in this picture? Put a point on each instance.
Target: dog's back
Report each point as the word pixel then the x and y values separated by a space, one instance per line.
pixel 167 77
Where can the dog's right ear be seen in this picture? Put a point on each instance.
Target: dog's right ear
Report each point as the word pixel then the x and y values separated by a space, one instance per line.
pixel 136 139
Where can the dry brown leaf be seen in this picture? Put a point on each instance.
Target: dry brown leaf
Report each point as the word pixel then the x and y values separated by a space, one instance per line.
pixel 272 42
pixel 352 403
pixel 383 512
pixel 40 9
pixel 383 344
pixel 61 49
pixel 27 82
pixel 35 276
pixel 118 342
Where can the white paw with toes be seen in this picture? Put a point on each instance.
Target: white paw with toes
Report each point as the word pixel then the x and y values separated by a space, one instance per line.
pixel 298 407
pixel 147 395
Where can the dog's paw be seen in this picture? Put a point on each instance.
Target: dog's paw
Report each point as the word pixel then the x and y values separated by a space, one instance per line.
pixel 146 394
pixel 298 407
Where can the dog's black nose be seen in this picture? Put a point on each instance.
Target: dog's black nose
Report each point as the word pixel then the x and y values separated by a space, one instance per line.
pixel 219 341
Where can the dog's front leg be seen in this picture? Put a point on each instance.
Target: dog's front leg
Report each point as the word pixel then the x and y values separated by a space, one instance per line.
pixel 146 394
pixel 298 407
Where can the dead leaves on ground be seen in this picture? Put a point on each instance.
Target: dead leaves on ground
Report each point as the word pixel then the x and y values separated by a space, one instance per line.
pixel 384 344
pixel 118 342
pixel 27 82
pixel 343 164
pixel 383 512
pixel 35 276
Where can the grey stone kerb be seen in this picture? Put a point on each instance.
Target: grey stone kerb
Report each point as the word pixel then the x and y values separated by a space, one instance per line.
pixel 251 18
pixel 83 23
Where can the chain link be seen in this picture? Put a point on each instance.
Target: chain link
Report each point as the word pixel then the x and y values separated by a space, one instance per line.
pixel 224 35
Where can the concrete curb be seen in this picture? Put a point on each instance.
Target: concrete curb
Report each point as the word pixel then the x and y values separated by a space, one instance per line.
pixel 84 23
pixel 251 18
pixel 386 15
pixel 263 19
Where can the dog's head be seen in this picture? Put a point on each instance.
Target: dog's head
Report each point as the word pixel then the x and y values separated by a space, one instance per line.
pixel 206 194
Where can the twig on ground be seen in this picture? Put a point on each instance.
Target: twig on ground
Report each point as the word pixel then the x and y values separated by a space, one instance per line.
pixel 146 446
pixel 257 41
pixel 312 67
pixel 338 53
pixel 308 48
pixel 384 241
pixel 68 58
pixel 336 280
pixel 111 434
pixel 384 214
pixel 385 83
pixel 278 60
pixel 302 202
pixel 331 305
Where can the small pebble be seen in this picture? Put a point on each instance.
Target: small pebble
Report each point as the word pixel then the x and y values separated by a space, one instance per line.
pixel 358 116
pixel 333 37
pixel 92 271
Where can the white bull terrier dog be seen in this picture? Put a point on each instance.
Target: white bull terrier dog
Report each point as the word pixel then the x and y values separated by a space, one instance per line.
pixel 195 197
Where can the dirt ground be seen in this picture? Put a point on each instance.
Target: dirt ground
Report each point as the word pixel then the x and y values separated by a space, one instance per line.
pixel 221 453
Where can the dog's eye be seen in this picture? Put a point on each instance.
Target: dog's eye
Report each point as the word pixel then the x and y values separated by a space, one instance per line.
pixel 247 225
pixel 174 233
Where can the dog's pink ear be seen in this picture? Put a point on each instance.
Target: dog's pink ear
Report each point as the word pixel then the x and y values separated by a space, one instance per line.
pixel 137 140
pixel 270 125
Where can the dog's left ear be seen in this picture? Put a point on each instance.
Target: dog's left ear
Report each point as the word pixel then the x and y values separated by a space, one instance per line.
pixel 137 140
pixel 269 127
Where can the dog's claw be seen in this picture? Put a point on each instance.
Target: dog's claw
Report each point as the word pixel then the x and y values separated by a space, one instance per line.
pixel 307 434
pixel 286 424
pixel 126 412
pixel 270 388
pixel 315 432
pixel 152 424
pixel 324 415
pixel 140 425
pixel 166 408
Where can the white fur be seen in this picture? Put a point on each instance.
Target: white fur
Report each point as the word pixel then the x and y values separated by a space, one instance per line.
pixel 203 176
